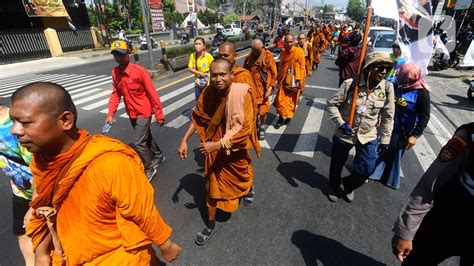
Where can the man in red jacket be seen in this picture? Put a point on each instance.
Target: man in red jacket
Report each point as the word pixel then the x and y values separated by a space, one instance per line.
pixel 133 83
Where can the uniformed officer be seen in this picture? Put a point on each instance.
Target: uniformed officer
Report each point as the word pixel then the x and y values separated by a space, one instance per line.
pixel 438 220
pixel 375 104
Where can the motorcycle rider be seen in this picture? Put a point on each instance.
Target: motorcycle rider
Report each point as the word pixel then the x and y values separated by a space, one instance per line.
pixel 261 35
pixel 278 41
pixel 219 37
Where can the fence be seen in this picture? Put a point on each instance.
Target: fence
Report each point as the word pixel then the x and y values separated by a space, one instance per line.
pixel 22 44
pixel 73 41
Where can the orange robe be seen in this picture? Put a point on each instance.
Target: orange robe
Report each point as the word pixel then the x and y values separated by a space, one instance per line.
pixel 230 119
pixel 268 67
pixel 105 205
pixel 308 56
pixel 318 46
pixel 287 98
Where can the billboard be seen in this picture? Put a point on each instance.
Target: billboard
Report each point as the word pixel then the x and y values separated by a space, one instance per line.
pixel 45 8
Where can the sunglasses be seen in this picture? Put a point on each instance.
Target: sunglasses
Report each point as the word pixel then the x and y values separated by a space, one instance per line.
pixel 382 68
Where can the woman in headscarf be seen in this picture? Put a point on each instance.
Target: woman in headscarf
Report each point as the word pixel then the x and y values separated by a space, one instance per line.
pixel 412 113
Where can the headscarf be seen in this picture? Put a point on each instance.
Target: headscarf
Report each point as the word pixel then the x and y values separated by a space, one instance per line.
pixel 409 77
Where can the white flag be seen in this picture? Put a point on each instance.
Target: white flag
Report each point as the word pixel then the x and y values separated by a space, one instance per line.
pixel 385 8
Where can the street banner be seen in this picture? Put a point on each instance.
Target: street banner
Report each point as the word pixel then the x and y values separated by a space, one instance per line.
pixel 415 27
pixel 451 3
pixel 45 8
pixel 157 18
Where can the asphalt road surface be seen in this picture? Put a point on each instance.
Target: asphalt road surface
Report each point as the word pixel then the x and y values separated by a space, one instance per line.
pixel 291 221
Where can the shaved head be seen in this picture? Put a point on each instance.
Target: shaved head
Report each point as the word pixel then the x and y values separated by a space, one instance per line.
pixel 53 98
pixel 257 44
pixel 228 46
pixel 290 37
pixel 227 66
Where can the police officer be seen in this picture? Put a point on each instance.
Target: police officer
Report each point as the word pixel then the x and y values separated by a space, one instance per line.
pixel 438 220
pixel 375 104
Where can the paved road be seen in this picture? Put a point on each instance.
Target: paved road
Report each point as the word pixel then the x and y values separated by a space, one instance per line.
pixel 291 222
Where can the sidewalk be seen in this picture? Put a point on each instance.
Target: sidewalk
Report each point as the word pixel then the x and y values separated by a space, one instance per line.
pixel 68 60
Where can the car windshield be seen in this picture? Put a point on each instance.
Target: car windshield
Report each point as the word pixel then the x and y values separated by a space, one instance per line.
pixel 373 32
pixel 227 27
pixel 385 41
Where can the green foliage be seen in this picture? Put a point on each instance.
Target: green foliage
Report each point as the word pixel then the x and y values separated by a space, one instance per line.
pixel 170 14
pixel 327 9
pixel 208 17
pixel 231 17
pixel 249 7
pixel 212 4
pixel 355 9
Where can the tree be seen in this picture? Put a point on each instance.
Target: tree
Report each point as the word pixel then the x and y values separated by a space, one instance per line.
pixel 230 18
pixel 327 9
pixel 249 7
pixel 208 17
pixel 355 10
pixel 170 14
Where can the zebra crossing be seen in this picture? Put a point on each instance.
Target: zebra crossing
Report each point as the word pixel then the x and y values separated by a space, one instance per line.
pixel 91 93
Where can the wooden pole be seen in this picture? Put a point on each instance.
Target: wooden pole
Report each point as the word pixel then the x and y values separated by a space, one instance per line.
pixel 361 61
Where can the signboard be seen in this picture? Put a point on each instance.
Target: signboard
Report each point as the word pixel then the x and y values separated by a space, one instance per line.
pixel 157 19
pixel 462 4
pixel 45 8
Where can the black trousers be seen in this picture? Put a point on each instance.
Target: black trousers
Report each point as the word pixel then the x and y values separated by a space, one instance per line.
pixel 447 230
pixel 143 141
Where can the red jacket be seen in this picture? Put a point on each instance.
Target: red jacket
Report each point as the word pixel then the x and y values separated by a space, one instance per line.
pixel 139 94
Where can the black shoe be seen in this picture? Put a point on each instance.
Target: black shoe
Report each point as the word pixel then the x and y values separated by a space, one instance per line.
pixel 203 237
pixel 157 161
pixel 150 173
pixel 287 121
pixel 279 123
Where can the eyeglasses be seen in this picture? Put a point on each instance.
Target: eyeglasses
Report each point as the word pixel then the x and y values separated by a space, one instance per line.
pixel 382 68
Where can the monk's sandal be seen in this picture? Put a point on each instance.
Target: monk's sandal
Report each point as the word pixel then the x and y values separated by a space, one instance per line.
pixel 248 199
pixel 203 237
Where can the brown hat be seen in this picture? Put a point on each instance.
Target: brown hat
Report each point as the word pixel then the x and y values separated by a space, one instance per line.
pixel 378 57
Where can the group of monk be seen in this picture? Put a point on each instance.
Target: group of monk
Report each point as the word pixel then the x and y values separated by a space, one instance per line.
pixel 93 203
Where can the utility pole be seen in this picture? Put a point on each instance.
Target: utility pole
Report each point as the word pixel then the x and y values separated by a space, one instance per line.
pixel 273 13
pixel 244 14
pixel 146 20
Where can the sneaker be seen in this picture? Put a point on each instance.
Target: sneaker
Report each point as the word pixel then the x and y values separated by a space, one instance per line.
pixel 150 173
pixel 203 237
pixel 248 199
pixel 332 195
pixel 261 134
pixel 279 123
pixel 349 196
pixel 157 161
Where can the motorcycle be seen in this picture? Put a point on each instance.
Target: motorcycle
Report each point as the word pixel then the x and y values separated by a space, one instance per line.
pixel 185 38
pixel 442 58
pixel 276 55
pixel 144 43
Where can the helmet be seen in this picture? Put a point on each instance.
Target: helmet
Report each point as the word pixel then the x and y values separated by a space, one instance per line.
pixel 260 27
pixel 220 27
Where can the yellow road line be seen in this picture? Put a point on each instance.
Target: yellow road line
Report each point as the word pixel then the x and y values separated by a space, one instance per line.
pixel 188 77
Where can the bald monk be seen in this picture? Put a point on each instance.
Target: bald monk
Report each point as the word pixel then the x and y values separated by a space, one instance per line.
pixel 263 68
pixel 240 75
pixel 308 53
pixel 291 80
pixel 92 200
pixel 224 119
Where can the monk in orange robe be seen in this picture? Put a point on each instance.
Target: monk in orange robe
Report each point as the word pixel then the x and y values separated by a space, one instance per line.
pixel 291 80
pixel 308 53
pixel 91 197
pixel 263 68
pixel 224 119
pixel 318 47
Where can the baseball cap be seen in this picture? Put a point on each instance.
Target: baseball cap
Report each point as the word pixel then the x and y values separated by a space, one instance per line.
pixel 119 46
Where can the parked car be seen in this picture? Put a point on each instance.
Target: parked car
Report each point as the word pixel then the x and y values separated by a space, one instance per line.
pixel 232 30
pixel 381 42
pixel 375 30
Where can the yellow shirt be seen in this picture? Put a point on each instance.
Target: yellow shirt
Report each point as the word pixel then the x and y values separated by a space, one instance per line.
pixel 203 62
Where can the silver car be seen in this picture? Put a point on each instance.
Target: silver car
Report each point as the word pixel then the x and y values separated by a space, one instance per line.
pixel 381 42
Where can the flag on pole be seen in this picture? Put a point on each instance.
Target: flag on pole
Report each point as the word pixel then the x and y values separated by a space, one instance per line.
pixel 451 3
pixel 414 27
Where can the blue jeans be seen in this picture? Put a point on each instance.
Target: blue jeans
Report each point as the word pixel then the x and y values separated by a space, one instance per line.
pixel 363 164
pixel 388 165
pixel 197 91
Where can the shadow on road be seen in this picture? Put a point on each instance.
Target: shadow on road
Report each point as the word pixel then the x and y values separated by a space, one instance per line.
pixel 194 185
pixel 333 68
pixel 315 248
pixel 303 172
pixel 463 102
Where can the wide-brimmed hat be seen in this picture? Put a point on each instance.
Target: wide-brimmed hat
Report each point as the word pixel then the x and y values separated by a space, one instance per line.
pixel 119 46
pixel 378 57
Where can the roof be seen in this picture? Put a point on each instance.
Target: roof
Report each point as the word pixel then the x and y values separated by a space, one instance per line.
pixel 249 17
